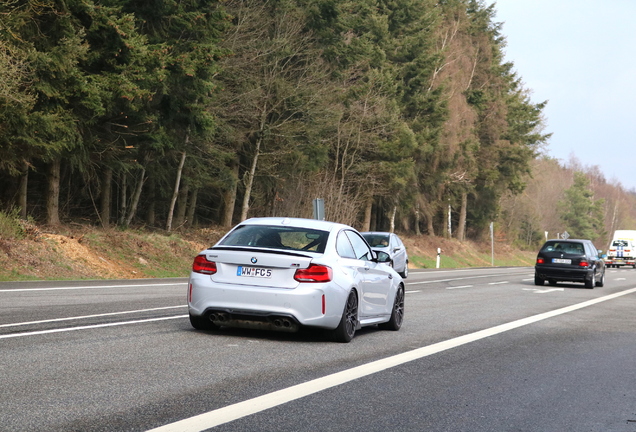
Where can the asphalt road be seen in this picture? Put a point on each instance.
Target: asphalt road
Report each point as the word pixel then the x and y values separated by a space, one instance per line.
pixel 480 350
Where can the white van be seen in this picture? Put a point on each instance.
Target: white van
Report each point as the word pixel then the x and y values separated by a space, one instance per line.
pixel 622 249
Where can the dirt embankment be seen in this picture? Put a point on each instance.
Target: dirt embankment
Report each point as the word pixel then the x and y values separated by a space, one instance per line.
pixel 94 253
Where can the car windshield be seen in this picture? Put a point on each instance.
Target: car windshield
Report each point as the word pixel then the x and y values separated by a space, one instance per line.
pixel 276 237
pixel 377 240
pixel 564 247
pixel 622 243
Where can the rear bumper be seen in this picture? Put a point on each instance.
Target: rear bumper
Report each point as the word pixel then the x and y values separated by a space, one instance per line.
pixel 266 307
pixel 564 274
pixel 620 261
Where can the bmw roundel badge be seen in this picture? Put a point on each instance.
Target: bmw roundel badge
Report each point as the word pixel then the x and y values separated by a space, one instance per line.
pixel 254 260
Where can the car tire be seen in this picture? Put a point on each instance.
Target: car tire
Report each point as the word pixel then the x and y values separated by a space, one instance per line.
pixel 346 329
pixel 405 272
pixel 397 314
pixel 600 283
pixel 589 283
pixel 202 323
pixel 538 280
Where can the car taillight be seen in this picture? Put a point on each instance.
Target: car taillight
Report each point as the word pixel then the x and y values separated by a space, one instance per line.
pixel 584 263
pixel 540 261
pixel 314 273
pixel 202 265
pixel 627 250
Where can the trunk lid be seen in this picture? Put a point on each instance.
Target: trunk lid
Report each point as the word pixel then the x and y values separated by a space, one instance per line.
pixel 259 267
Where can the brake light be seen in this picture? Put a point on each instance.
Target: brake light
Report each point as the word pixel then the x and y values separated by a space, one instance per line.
pixel 627 250
pixel 202 265
pixel 540 260
pixel 584 263
pixel 314 273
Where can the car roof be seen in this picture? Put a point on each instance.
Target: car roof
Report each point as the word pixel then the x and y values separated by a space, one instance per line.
pixel 376 232
pixel 296 222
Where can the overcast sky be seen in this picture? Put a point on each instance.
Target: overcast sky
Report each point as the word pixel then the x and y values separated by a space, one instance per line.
pixel 580 56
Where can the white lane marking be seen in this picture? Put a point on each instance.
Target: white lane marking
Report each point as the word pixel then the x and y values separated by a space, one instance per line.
pixel 61 330
pixel 476 269
pixel 525 280
pixel 459 287
pixel 89 316
pixel 412 291
pixel 242 409
pixel 497 283
pixel 620 279
pixel 448 280
pixel 90 287
pixel 543 291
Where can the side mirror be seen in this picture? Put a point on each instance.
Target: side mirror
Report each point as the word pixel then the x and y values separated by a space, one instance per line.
pixel 383 257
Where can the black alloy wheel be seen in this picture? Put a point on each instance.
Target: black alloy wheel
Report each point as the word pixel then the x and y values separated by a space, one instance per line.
pixel 346 330
pixel 397 314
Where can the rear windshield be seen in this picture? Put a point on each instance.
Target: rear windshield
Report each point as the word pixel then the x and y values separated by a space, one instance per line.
pixel 276 237
pixel 564 247
pixel 377 240
pixel 620 243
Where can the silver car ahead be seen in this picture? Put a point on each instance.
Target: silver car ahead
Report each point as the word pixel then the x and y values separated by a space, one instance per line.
pixel 282 273
pixel 391 244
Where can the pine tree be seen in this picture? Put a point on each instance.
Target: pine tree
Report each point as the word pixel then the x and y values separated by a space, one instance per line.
pixel 582 215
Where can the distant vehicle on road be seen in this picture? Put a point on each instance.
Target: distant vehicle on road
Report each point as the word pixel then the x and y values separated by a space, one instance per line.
pixel 281 274
pixel 569 261
pixel 391 244
pixel 622 249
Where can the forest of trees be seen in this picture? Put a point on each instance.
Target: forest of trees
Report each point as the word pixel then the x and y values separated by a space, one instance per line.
pixel 400 114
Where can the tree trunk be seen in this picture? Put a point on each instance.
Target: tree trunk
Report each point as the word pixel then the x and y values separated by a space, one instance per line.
pixel 366 223
pixel 461 228
pixel 123 197
pixel 22 191
pixel 250 181
pixel 53 197
pixel 229 196
pixel 417 219
pixel 192 206
pixel 428 214
pixel 150 212
pixel 104 211
pixel 182 206
pixel 392 220
pixel 175 193
pixel 136 195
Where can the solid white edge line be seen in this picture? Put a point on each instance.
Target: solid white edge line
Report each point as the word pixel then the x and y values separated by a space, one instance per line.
pixel 239 410
pixel 89 316
pixel 61 330
pixel 89 287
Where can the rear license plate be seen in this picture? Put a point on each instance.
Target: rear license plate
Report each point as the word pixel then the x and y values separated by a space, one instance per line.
pixel 253 272
pixel 561 261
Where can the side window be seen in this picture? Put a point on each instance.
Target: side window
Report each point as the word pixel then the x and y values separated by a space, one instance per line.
pixel 343 246
pixel 362 251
